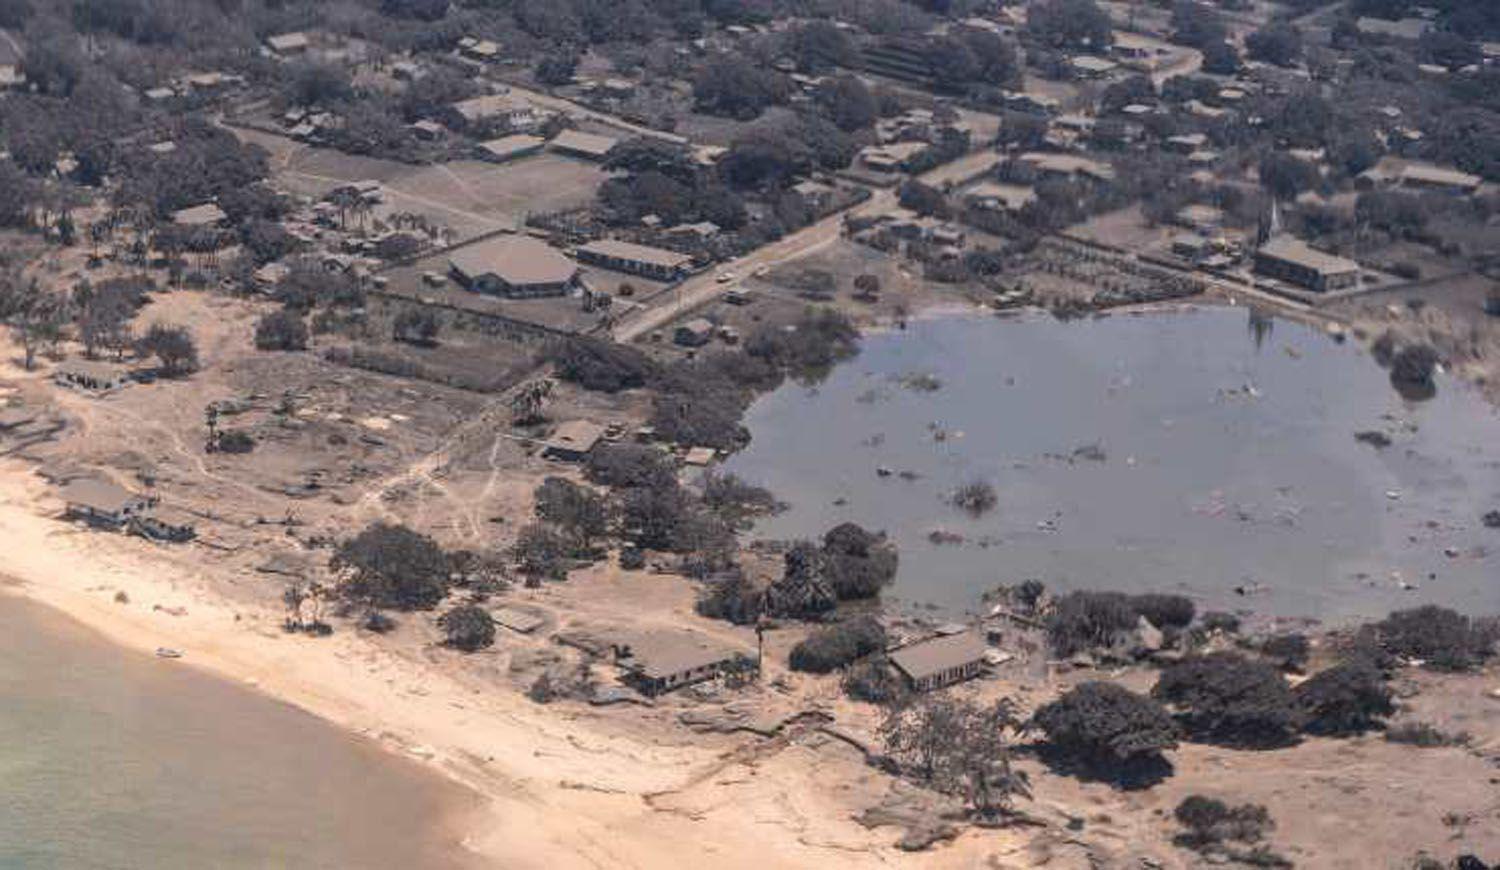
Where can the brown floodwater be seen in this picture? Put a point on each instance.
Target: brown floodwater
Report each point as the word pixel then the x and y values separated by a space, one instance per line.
pixel 113 759
pixel 1209 451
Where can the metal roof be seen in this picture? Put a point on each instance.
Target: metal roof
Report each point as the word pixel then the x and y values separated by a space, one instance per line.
pixel 517 260
pixel 928 657
pixel 629 251
pixel 584 143
pixel 1293 250
pixel 97 493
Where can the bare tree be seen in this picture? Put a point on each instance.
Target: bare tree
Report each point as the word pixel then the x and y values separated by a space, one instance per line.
pixel 34 316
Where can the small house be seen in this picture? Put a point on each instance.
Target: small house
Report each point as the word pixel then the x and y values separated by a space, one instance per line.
pixel 99 377
pixel 662 661
pixel 167 524
pixel 508 148
pixel 103 503
pixel 573 441
pixel 940 661
pixel 588 146
pixel 288 44
pixel 206 215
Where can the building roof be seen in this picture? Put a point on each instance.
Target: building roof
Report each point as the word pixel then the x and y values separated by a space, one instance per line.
pixel 616 249
pixel 1071 164
pixel 96 493
pixel 1427 173
pixel 1196 214
pixel 1089 63
pixel 585 143
pixel 489 106
pixel 1405 28
pixel 287 41
pixel 929 657
pixel 96 370
pixel 659 655
pixel 575 436
pixel 1293 250
pixel 516 260
pixel 1012 196
pixel 516 619
pixel 507 147
pixel 203 215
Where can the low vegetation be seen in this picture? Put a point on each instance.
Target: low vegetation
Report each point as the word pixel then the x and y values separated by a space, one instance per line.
pixel 1227 698
pixel 1225 832
pixel 1107 731
pixel 467 627
pixel 1442 639
pixel 832 647
pixel 391 566
pixel 1348 698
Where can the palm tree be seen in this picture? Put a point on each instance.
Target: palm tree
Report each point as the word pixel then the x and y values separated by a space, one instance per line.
pixel 526 405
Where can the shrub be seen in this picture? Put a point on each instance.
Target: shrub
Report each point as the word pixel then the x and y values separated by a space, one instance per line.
pixel 1108 727
pixel 872 679
pixel 392 566
pixel 630 465
pixel 701 419
pixel 1210 822
pixel 415 326
pixel 468 627
pixel 1226 698
pixel 735 500
pixel 281 330
pixel 543 552
pixel 1425 735
pixel 975 498
pixel 600 365
pixel 1348 698
pixel 1287 651
pixel 837 645
pixel 236 441
pixel 577 510
pixel 173 346
pixel 734 599
pixel 856 563
pixel 1444 639
pixel 1165 611
pixel 1083 621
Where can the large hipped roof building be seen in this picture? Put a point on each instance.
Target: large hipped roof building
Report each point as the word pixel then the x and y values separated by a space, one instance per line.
pixel 514 266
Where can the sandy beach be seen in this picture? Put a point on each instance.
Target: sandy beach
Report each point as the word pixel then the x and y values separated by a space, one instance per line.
pixel 556 793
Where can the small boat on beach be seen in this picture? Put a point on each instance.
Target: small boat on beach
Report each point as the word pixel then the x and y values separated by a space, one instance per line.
pixel 166 652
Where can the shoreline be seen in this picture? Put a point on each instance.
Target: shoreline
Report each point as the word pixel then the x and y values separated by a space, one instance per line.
pixel 551 791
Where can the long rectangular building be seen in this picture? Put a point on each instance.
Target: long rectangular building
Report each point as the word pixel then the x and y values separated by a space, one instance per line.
pixel 656 263
pixel 1293 260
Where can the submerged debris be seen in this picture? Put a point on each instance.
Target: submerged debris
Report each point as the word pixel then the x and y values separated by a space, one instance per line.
pixel 975 498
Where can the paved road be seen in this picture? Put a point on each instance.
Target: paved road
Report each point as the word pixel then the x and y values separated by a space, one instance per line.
pixel 700 290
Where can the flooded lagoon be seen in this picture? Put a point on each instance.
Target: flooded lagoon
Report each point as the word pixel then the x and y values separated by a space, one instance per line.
pixel 1209 451
pixel 114 759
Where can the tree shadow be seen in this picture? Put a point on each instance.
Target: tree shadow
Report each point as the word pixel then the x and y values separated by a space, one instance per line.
pixel 1133 775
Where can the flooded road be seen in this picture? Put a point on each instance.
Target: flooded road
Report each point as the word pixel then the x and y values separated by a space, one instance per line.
pixel 1209 451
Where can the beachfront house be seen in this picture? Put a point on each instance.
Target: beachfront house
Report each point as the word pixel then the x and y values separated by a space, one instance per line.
pixel 940 661
pixel 103 503
pixel 664 661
